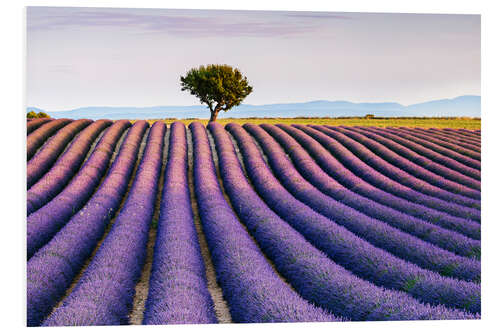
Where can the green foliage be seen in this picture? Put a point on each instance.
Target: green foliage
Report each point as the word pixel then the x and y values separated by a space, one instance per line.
pixel 31 114
pixel 42 114
pixel 219 86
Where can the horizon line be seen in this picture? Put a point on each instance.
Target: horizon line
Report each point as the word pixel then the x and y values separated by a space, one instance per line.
pixel 278 103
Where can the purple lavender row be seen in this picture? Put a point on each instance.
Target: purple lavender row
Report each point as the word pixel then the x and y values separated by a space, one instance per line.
pixel 473 135
pixel 254 292
pixel 33 124
pixel 442 137
pixel 358 185
pixel 52 182
pixel 36 139
pixel 49 153
pixel 351 161
pixel 105 292
pixel 178 292
pixel 465 143
pixel 446 141
pixel 471 132
pixel 43 224
pixel 449 146
pixel 52 269
pixel 375 231
pixel 408 166
pixel 402 177
pixel 315 276
pixel 426 152
pixel 457 136
pixel 421 160
pixel 464 160
pixel 444 238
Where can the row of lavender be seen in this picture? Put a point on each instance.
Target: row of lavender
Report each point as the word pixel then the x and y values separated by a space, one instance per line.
pixel 325 232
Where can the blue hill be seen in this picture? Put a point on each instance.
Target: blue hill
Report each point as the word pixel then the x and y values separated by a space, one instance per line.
pixel 462 106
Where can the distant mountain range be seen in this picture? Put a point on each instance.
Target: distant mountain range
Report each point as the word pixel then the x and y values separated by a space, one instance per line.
pixel 462 106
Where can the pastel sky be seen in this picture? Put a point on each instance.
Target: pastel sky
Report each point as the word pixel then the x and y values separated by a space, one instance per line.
pixel 80 57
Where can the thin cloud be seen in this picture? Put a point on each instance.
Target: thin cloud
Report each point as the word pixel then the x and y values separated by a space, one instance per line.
pixel 313 15
pixel 205 25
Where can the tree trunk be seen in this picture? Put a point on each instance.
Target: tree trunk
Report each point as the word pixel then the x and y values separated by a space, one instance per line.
pixel 213 115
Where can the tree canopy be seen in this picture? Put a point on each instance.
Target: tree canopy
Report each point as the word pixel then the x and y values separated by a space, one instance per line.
pixel 220 87
pixel 33 114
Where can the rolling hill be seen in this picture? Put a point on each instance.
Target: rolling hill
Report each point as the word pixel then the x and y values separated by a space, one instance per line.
pixel 462 106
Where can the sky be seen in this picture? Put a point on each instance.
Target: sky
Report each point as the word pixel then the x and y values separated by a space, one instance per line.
pixel 78 57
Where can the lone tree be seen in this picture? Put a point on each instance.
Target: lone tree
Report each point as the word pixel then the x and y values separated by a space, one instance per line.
pixel 219 86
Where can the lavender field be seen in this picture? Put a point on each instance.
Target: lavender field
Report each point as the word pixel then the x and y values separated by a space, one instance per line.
pixel 173 224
